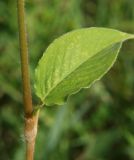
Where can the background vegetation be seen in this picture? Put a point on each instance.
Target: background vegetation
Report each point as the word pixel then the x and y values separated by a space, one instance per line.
pixel 97 123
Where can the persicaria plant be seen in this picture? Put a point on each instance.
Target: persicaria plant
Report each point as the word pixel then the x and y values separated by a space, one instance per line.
pixel 73 61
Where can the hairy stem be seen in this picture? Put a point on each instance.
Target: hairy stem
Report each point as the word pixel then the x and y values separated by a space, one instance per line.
pixel 31 120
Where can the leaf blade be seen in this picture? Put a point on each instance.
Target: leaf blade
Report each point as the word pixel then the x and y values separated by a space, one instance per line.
pixel 58 62
pixel 77 73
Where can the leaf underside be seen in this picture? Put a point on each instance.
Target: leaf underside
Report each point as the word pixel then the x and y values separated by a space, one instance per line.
pixel 75 61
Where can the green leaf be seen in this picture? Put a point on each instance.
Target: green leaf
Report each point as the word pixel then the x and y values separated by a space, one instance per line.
pixel 75 61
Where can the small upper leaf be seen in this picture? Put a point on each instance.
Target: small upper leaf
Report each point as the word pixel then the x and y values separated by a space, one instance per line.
pixel 75 61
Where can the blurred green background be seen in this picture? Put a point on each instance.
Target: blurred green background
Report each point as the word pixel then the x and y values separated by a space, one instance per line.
pixel 95 124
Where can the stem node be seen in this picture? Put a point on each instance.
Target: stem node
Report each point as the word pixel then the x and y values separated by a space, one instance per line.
pixel 30 131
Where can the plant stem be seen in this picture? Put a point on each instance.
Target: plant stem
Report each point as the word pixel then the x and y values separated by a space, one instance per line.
pixel 24 59
pixel 31 120
pixel 30 135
